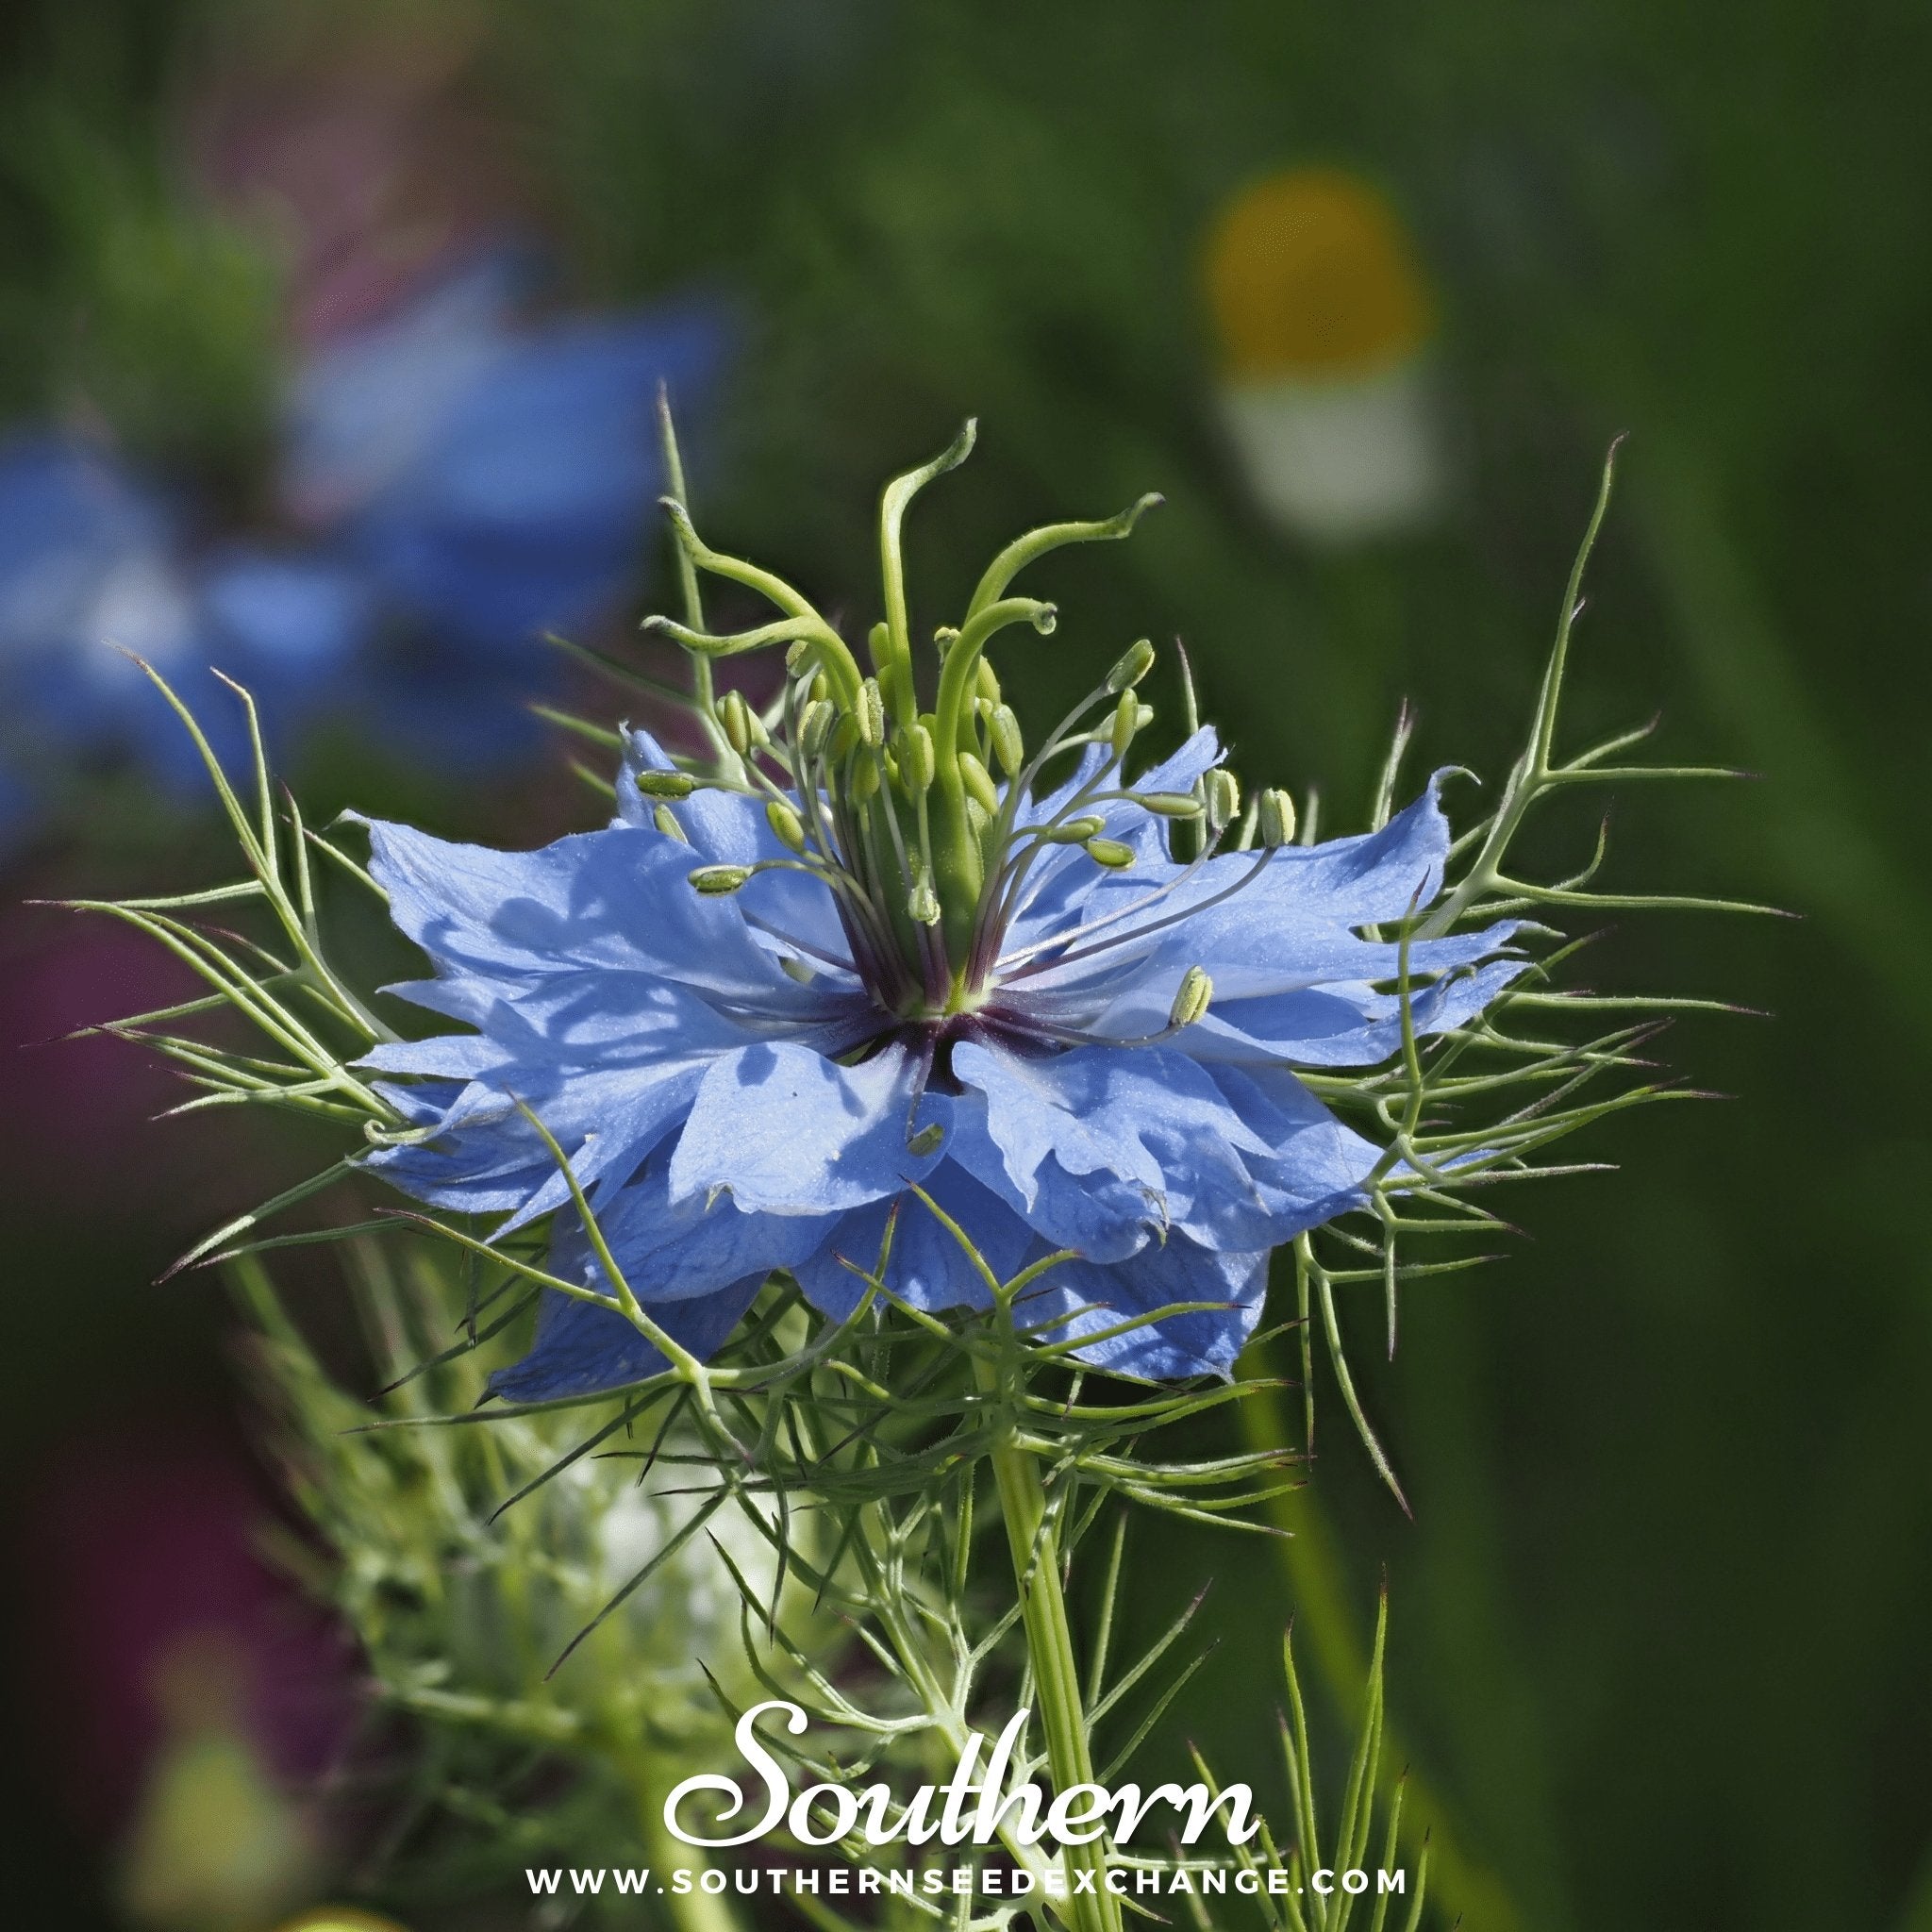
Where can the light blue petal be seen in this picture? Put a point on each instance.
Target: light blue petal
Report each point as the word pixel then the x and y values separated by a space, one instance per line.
pixel 790 914
pixel 789 1132
pixel 1077 1297
pixel 606 900
pixel 1343 1025
pixel 1278 983
pixel 927 1267
pixel 671 1252
pixel 1093 1145
pixel 584 1350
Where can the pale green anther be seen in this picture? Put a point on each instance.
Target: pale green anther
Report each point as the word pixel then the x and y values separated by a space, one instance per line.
pixel 786 822
pixel 865 780
pixel 916 759
pixel 1008 747
pixel 666 784
pixel 666 822
pixel 1222 796
pixel 978 817
pixel 988 680
pixel 979 782
pixel 736 716
pixel 923 1142
pixel 844 738
pixel 1169 805
pixel 872 713
pixel 815 727
pixel 1191 999
pixel 715 880
pixel 1126 721
pixel 1110 852
pixel 1075 831
pixel 1132 668
pixel 944 637
pixel 821 687
pixel 1276 819
pixel 924 903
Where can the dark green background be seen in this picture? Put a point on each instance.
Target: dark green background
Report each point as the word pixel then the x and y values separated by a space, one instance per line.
pixel 1660 1618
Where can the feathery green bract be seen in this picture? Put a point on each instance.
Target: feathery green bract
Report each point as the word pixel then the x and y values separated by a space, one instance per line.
pixel 463 1563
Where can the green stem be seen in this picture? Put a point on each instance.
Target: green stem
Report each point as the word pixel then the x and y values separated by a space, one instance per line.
pixel 696 1911
pixel 1050 1649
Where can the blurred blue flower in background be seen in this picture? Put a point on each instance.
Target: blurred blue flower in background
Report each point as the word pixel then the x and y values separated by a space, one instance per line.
pixel 493 479
pixel 457 481
pixel 92 556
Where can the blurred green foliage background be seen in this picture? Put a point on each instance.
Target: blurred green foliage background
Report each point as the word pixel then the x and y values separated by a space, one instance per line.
pixel 1660 1620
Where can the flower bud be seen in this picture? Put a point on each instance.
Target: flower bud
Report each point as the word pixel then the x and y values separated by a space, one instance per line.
pixel 665 784
pixel 1191 999
pixel 979 782
pixel 1132 668
pixel 1221 794
pixel 872 713
pixel 1075 831
pixel 1275 817
pixel 1169 805
pixel 786 824
pixel 1126 721
pixel 917 758
pixel 1008 747
pixel 716 880
pixel 1110 852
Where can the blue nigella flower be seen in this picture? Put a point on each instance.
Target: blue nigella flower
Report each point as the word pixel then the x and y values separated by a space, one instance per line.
pixel 789 984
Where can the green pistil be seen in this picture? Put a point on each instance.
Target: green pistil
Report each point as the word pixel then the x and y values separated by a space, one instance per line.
pixel 916 841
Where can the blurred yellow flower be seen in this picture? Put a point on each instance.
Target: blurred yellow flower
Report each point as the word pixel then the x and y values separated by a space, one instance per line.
pixel 1322 314
pixel 217 1845
pixel 339 1919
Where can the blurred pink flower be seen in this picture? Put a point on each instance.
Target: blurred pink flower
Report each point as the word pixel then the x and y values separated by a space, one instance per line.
pixel 368 152
pixel 142 1547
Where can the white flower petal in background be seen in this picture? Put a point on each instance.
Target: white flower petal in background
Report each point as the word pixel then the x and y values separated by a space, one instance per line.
pixel 1322 318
